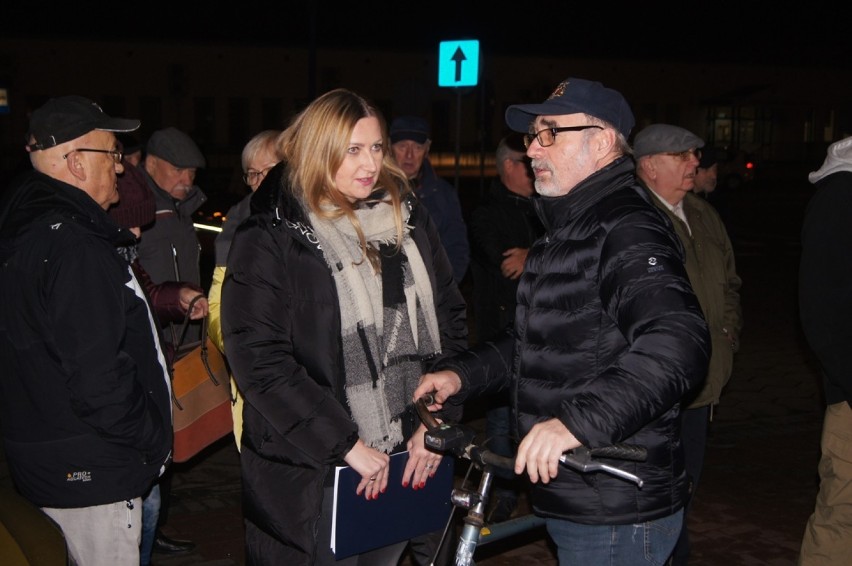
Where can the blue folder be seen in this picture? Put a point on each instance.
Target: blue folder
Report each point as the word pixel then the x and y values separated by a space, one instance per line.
pixel 400 513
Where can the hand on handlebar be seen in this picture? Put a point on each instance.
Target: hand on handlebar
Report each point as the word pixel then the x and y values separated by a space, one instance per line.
pixel 541 448
pixel 442 384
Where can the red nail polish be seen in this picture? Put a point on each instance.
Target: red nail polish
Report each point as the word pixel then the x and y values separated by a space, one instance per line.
pixel 422 484
pixel 405 484
pixel 384 489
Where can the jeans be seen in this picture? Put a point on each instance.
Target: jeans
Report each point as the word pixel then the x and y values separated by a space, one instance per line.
pixel 504 491
pixel 638 544
pixel 693 437
pixel 150 514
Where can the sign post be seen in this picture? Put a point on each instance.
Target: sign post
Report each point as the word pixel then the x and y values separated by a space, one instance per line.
pixel 458 66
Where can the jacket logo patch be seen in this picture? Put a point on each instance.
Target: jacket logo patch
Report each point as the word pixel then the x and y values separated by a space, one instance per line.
pixel 305 231
pixel 78 476
pixel 56 226
pixel 652 261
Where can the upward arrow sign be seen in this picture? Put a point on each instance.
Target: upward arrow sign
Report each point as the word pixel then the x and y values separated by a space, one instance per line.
pixel 458 57
pixel 458 63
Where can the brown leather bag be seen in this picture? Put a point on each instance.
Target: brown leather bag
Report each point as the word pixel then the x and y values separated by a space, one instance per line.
pixel 201 394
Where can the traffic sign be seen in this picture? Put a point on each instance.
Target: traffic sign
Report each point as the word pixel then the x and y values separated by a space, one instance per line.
pixel 458 63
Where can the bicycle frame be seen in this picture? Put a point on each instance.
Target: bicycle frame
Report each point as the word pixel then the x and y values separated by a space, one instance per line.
pixel 458 441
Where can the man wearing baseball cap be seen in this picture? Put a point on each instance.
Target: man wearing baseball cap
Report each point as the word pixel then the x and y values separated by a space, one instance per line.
pixel 666 160
pixel 410 143
pixel 85 398
pixel 608 337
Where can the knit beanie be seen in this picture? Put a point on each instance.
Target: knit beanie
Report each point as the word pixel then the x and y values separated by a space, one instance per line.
pixel 136 201
pixel 838 158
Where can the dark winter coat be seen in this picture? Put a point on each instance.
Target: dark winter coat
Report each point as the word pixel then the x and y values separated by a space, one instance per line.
pixel 712 271
pixel 505 220
pixel 84 393
pixel 608 337
pixel 825 282
pixel 173 228
pixel 281 326
pixel 442 201
pixel 169 249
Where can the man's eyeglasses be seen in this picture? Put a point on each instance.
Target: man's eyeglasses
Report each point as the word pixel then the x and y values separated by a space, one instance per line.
pixel 252 177
pixel 547 136
pixel 116 154
pixel 685 155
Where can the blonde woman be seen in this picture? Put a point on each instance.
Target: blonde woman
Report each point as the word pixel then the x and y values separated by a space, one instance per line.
pixel 338 295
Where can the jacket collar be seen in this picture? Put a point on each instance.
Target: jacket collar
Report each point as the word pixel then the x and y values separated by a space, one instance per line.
pixel 37 195
pixel 555 212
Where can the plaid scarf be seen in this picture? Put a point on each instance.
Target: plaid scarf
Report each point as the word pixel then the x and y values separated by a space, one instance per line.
pixel 388 322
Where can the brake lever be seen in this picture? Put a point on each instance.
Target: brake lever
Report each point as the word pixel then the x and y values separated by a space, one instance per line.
pixel 580 459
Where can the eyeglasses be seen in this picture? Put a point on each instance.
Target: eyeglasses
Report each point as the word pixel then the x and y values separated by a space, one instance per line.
pixel 252 177
pixel 685 155
pixel 116 154
pixel 547 136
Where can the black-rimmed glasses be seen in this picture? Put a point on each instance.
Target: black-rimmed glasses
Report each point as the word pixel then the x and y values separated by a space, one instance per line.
pixel 115 153
pixel 252 177
pixel 685 155
pixel 547 136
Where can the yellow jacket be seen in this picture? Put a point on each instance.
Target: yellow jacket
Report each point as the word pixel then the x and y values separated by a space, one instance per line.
pixel 214 331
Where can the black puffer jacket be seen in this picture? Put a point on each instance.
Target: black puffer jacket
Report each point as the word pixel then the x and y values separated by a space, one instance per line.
pixel 84 394
pixel 505 220
pixel 608 337
pixel 281 326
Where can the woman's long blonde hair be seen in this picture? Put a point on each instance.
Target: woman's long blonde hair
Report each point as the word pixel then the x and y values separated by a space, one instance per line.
pixel 314 147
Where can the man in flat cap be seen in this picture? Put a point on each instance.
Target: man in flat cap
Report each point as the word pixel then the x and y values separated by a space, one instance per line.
pixel 169 250
pixel 608 337
pixel 666 160
pixel 84 392
pixel 410 143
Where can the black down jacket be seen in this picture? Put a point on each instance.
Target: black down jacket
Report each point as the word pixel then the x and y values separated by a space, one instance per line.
pixel 281 328
pixel 608 337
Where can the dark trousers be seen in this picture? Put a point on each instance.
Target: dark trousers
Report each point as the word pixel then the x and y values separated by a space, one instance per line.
pixel 693 436
pixel 165 482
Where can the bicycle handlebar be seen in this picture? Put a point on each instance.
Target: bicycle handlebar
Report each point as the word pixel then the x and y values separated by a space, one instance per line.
pixel 459 441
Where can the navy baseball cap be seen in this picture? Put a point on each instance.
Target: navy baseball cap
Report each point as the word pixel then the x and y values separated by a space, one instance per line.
pixel 576 96
pixel 66 118
pixel 409 128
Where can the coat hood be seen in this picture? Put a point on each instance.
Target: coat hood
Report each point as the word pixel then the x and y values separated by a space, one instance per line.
pixel 838 158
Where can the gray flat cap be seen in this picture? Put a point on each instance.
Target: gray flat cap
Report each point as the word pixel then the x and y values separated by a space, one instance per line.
pixel 175 147
pixel 664 138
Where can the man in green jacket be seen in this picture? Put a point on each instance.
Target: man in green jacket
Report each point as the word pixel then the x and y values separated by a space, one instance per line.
pixel 666 160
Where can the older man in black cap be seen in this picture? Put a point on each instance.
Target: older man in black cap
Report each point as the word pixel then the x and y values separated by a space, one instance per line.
pixel 85 402
pixel 608 336
pixel 169 250
pixel 666 160
pixel 410 145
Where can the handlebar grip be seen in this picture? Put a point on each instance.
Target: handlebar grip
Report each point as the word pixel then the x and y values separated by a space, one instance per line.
pixel 630 452
pixel 496 460
pixel 426 417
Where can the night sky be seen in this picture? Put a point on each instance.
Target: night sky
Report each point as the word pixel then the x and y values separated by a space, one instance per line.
pixel 746 32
